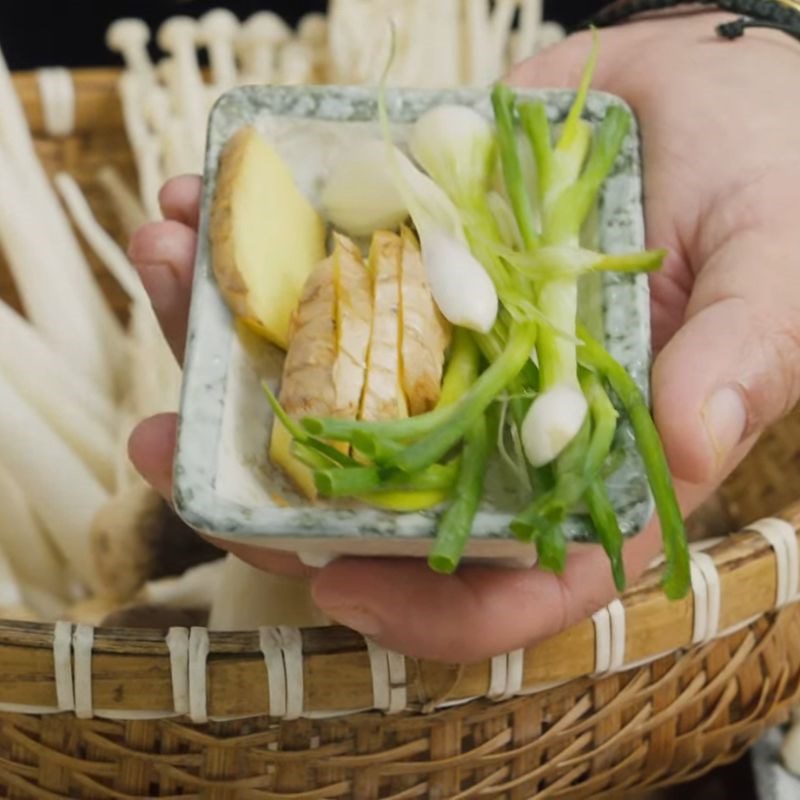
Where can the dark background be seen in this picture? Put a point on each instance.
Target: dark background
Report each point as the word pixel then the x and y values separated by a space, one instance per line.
pixel 71 33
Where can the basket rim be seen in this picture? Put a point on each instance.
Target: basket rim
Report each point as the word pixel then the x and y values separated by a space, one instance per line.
pixel 335 658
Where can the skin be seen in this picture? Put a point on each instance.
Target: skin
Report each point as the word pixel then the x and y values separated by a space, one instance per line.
pixel 719 124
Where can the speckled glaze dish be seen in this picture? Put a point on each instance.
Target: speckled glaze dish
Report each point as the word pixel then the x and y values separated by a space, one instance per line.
pixel 224 480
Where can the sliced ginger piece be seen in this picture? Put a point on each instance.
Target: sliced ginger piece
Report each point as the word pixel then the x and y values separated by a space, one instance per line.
pixel 425 332
pixel 325 366
pixel 383 396
pixel 266 238
pixel 307 386
pixel 353 326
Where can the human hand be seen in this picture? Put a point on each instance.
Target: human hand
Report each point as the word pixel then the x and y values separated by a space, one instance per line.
pixel 721 175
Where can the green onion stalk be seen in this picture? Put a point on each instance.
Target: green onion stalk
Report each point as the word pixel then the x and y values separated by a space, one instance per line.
pixel 673 532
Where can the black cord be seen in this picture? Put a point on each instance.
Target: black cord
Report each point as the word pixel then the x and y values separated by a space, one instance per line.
pixel 736 28
pixel 755 14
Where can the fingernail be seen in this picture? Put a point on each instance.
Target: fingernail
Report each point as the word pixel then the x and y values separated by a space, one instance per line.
pixel 159 282
pixel 357 619
pixel 725 417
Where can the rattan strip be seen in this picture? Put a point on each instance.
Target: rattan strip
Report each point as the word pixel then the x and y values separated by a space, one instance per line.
pixel 390 683
pixel 418 763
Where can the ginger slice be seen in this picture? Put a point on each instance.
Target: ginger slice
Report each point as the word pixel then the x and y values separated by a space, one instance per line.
pixel 425 333
pixel 383 396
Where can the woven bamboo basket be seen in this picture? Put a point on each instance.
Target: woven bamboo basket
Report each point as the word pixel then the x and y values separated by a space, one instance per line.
pixel 643 694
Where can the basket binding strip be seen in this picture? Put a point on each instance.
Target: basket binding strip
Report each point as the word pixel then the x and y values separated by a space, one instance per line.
pixel 390 684
pixel 643 694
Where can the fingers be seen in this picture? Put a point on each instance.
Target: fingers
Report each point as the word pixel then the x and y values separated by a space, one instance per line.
pixel 561 65
pixel 151 449
pixel 477 613
pixel 163 254
pixel 179 199
pixel 734 366
pixel 274 561
pixel 481 611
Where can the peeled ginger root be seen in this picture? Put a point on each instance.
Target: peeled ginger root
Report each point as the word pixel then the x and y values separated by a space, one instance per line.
pixel 366 342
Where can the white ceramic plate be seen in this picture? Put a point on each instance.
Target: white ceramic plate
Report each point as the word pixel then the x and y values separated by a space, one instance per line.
pixel 224 481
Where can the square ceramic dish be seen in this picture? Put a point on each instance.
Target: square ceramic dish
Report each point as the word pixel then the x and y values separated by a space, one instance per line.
pixel 224 481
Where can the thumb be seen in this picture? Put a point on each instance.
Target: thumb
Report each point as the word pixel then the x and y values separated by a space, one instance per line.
pixel 561 65
pixel 733 368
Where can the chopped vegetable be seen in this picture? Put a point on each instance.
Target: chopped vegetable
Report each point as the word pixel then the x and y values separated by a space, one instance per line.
pixel 353 325
pixel 425 333
pixel 383 396
pixel 265 236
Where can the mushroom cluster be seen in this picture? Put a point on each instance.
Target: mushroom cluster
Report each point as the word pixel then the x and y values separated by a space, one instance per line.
pixel 443 44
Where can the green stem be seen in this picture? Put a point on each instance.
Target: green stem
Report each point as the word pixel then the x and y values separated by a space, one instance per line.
pixel 579 466
pixel 492 381
pixel 565 216
pixel 551 547
pixel 376 437
pixel 558 362
pixel 455 526
pixel 536 125
pixel 606 527
pixel 299 435
pixel 604 422
pixel 462 368
pixel 646 261
pixel 571 131
pixel 673 531
pixel 503 102
pixel 354 481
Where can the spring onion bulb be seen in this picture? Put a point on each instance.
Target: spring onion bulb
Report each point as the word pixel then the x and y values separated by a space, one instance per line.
pixel 455 146
pixel 553 420
pixel 459 284
pixel 359 195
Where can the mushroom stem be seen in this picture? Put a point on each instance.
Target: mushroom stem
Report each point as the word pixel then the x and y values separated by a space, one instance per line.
pixel 126 205
pixel 145 150
pixel 218 29
pixel 194 589
pixel 129 37
pixel 257 44
pixel 312 30
pixel 24 544
pixel 476 34
pixel 501 22
pixel 103 245
pixel 296 66
pixel 178 36
pixel 136 537
pixel 97 336
pixel 55 481
pixel 525 42
pixel 34 359
pixel 56 300
pixel 249 598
